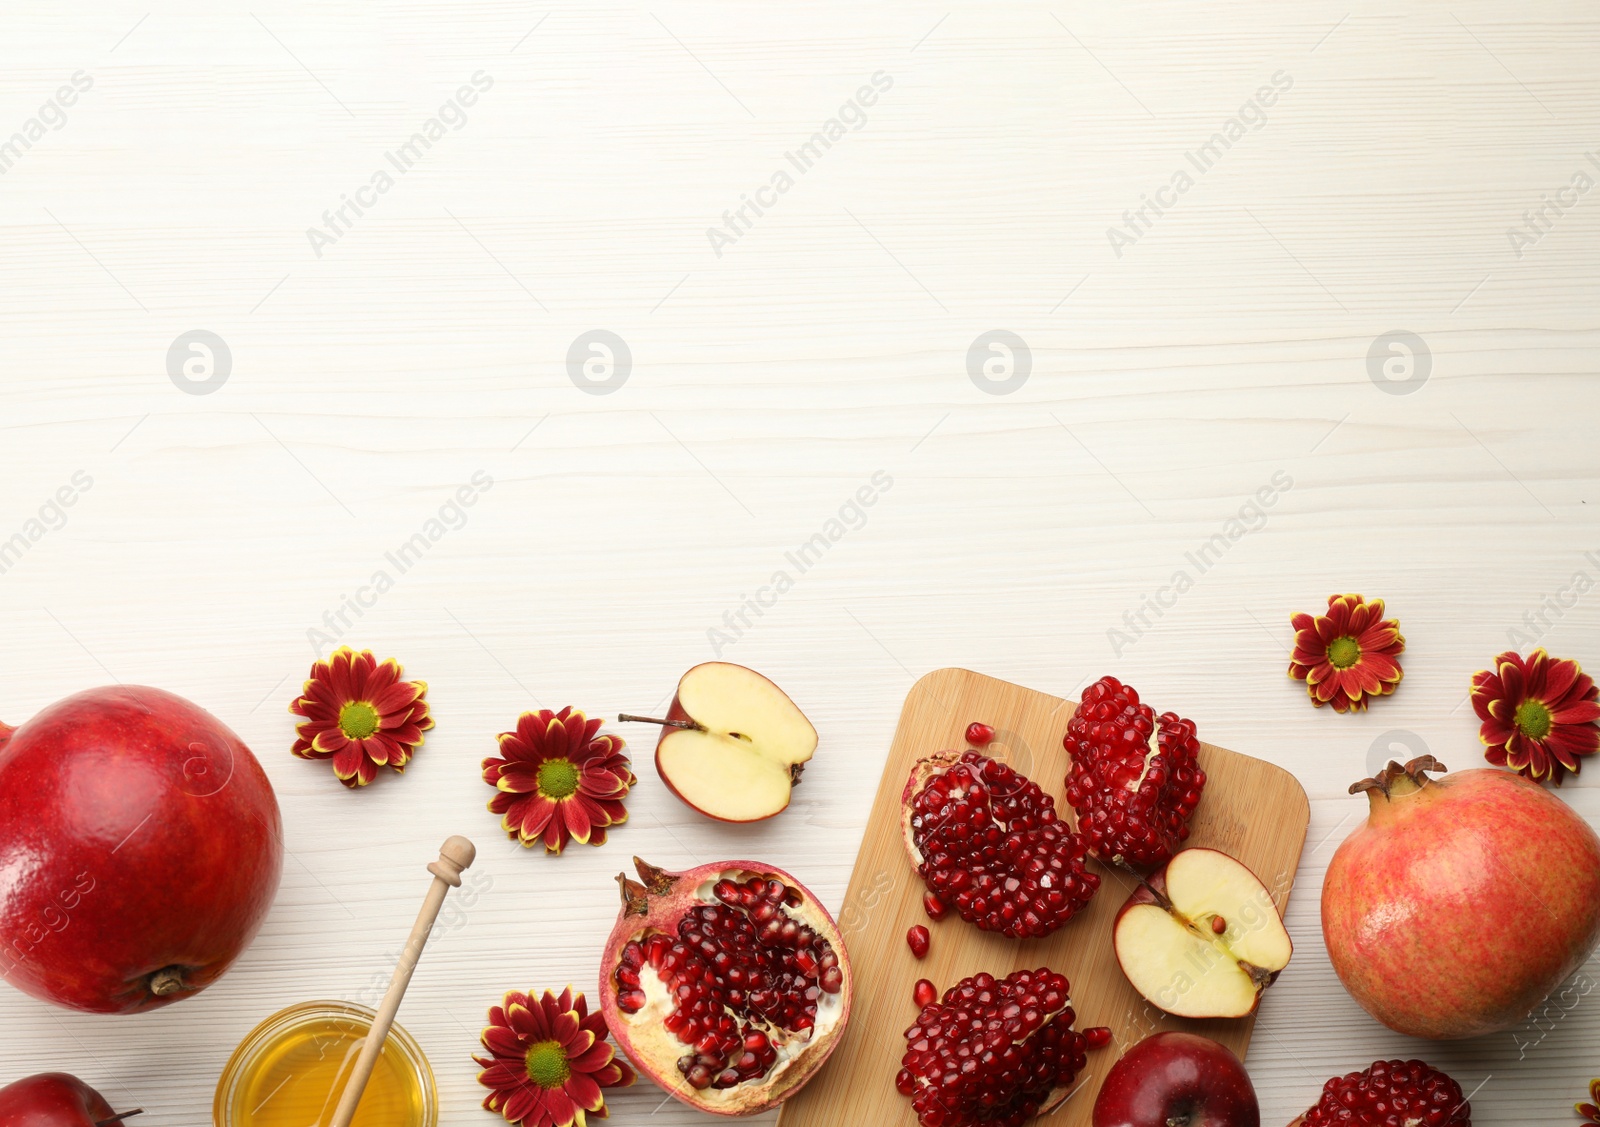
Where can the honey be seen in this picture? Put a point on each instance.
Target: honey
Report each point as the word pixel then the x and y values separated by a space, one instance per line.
pixel 291 1070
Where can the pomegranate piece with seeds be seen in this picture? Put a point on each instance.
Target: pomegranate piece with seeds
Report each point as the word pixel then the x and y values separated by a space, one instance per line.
pixel 1392 1093
pixel 993 1051
pixel 986 841
pixel 728 985
pixel 1135 778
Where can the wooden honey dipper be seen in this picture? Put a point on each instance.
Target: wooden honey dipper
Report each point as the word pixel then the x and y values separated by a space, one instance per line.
pixel 455 855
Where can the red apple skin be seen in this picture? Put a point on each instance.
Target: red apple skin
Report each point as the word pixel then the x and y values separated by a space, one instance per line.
pixel 678 712
pixel 1176 1079
pixel 137 835
pixel 1457 908
pixel 52 1099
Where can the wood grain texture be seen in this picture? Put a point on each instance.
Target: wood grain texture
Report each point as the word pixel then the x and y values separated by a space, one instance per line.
pixel 1250 809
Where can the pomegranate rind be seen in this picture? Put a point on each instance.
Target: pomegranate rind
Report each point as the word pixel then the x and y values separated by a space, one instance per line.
pixel 924 770
pixel 1482 863
pixel 656 906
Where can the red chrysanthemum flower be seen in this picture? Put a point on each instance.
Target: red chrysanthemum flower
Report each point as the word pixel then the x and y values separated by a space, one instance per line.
pixel 560 780
pixel 1591 1111
pixel 1538 714
pixel 1348 655
pixel 361 714
pixel 549 1062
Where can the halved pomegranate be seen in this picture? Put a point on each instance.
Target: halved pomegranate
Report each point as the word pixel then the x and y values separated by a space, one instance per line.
pixel 986 840
pixel 728 985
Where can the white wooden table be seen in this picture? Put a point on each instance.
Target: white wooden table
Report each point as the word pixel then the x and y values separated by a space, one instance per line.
pixel 829 342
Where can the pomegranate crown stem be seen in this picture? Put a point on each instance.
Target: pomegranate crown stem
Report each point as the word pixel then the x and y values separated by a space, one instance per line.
pixel 635 897
pixel 658 881
pixel 1397 780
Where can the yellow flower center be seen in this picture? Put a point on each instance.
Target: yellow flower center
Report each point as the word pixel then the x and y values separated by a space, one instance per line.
pixel 558 778
pixel 358 720
pixel 1533 719
pixel 547 1064
pixel 1344 652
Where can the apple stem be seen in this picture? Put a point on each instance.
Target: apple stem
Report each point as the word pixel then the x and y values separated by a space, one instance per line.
pixel 687 724
pixel 119 1118
pixel 5 733
pixel 1162 900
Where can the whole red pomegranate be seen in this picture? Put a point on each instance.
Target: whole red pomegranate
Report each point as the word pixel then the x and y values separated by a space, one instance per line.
pixel 728 985
pixel 1462 902
pixel 140 847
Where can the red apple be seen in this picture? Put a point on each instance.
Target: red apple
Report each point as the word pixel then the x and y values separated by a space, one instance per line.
pixel 54 1099
pixel 140 848
pixel 1202 937
pixel 733 744
pixel 1462 902
pixel 1177 1079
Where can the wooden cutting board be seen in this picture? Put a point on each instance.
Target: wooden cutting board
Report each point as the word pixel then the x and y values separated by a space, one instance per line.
pixel 1250 809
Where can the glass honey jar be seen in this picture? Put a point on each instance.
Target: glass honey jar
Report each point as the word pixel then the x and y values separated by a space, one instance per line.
pixel 290 1072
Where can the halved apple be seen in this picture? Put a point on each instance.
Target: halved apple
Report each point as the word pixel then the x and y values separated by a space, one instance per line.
pixel 733 744
pixel 1202 937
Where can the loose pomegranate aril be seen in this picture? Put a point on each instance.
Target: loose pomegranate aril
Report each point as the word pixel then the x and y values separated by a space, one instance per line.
pixel 979 735
pixel 987 841
pixel 1391 1093
pixel 992 1052
pixel 718 975
pixel 924 993
pixel 917 940
pixel 1135 778
pixel 1098 1036
pixel 937 909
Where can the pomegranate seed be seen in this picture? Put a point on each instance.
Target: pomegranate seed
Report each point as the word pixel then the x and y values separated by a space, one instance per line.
pixel 1133 803
pixel 979 735
pixel 1218 925
pixel 993 847
pixel 1392 1093
pixel 924 993
pixel 1098 1036
pixel 917 940
pixel 992 1051
pixel 936 908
